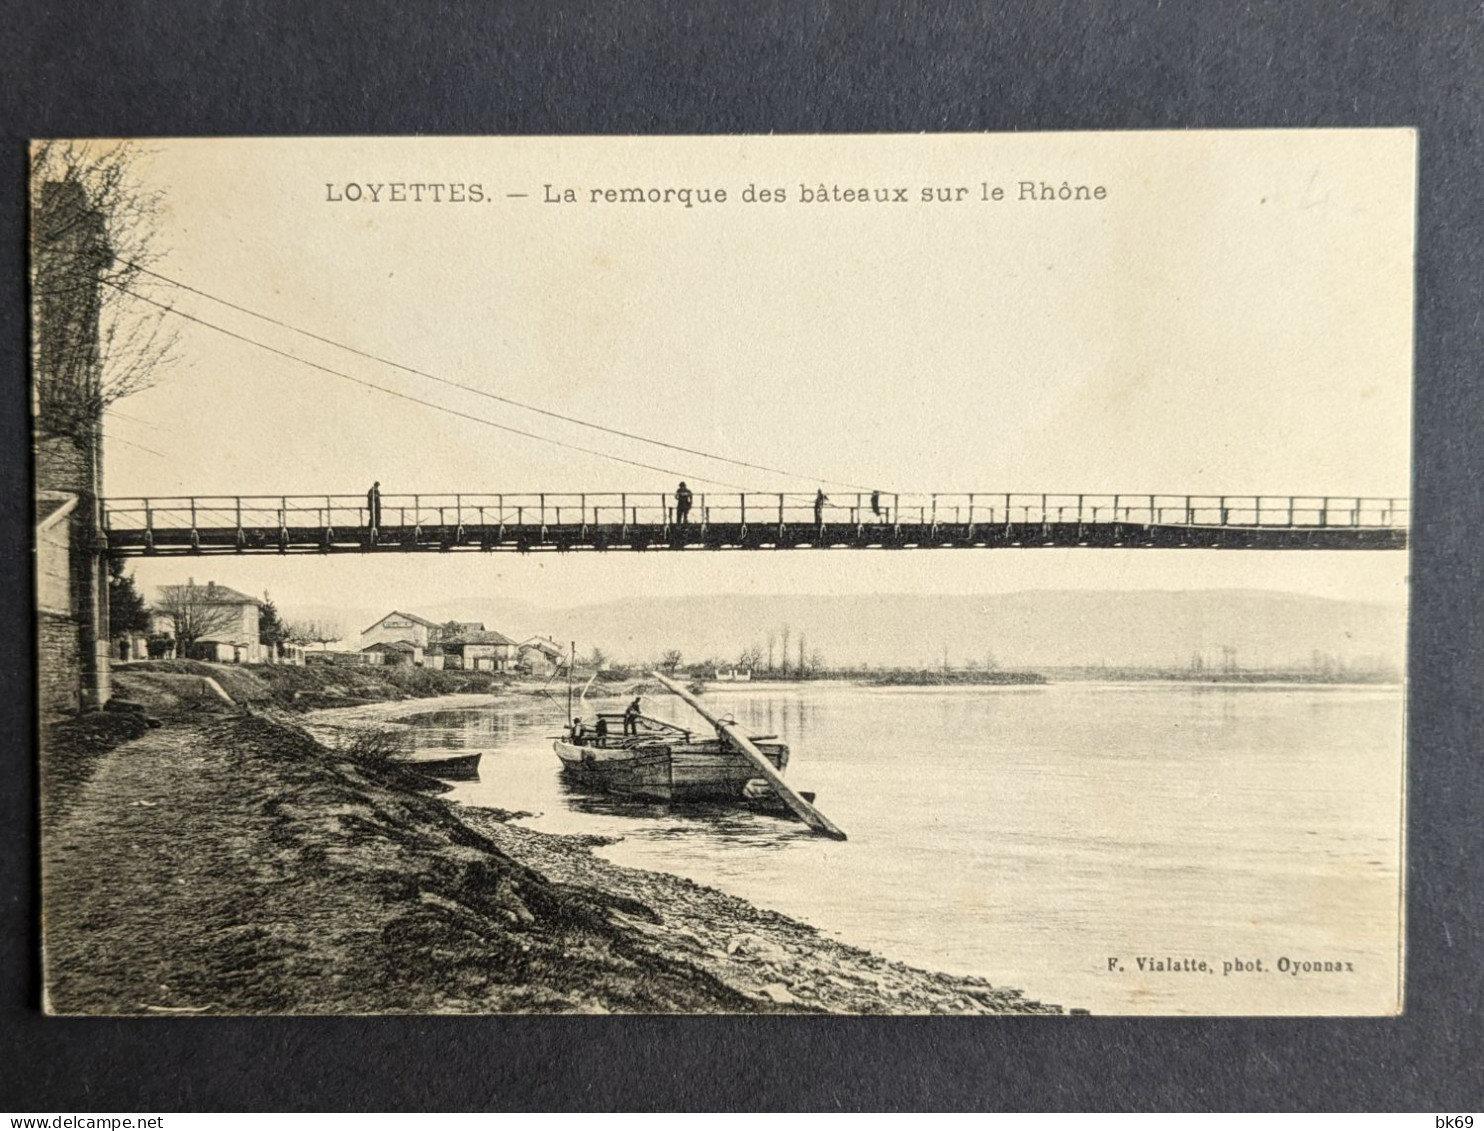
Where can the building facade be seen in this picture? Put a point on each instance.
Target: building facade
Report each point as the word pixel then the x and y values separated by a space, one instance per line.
pixel 478 652
pixel 540 655
pixel 216 623
pixel 397 652
pixel 409 627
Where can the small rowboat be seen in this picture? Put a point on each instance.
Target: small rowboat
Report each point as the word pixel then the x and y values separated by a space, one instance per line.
pixel 452 767
pixel 663 762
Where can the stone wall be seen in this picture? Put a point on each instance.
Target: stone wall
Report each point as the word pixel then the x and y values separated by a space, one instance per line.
pixel 59 674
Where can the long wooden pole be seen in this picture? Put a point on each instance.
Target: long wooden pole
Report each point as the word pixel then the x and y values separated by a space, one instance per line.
pixel 805 812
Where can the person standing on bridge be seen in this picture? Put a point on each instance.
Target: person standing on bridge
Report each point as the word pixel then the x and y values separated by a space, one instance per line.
pixel 876 503
pixel 820 498
pixel 373 506
pixel 682 503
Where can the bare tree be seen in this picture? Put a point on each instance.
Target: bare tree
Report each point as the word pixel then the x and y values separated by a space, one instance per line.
pixel 670 661
pixel 196 614
pixel 784 632
pixel 772 643
pixel 803 657
pixel 75 184
pixel 319 632
pixel 598 659
pixel 751 658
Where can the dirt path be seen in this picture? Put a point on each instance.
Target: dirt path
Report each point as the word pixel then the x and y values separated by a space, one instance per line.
pixel 234 866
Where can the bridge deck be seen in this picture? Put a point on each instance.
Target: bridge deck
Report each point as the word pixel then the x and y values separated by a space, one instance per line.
pixel 595 522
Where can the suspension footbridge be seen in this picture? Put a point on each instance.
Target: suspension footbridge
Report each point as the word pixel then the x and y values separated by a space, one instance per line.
pixel 635 521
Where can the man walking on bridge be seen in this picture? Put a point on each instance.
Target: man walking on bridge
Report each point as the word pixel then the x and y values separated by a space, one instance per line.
pixel 682 503
pixel 820 498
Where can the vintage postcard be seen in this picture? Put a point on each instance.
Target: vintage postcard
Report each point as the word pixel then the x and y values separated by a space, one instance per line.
pixel 867 575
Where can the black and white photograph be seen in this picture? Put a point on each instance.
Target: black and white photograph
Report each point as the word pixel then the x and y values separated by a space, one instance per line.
pixel 905 574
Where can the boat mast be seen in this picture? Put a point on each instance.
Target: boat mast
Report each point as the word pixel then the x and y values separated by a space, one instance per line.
pixel 806 812
pixel 571 658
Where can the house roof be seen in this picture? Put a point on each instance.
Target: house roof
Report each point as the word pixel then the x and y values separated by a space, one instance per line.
pixel 413 617
pixel 540 643
pixel 393 646
pixel 221 595
pixel 213 594
pixel 480 638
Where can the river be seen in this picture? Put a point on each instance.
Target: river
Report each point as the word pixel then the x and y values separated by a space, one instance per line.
pixel 1045 837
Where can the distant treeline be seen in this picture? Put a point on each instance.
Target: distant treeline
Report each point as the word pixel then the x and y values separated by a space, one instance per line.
pixel 1256 675
pixel 940 677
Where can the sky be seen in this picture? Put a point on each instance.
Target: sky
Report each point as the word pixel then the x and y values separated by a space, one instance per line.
pixel 1233 316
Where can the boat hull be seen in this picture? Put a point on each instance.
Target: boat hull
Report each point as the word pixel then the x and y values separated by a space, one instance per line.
pixel 667 771
pixel 455 767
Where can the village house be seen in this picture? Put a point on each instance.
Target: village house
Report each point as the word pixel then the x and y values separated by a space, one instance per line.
pixel 731 675
pixel 396 652
pixel 481 651
pixel 422 635
pixel 226 620
pixel 406 638
pixel 409 627
pixel 540 655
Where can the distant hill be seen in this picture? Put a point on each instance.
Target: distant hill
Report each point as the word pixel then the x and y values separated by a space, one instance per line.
pixel 1031 628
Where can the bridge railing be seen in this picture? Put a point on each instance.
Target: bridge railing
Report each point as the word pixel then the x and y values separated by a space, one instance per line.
pixel 534 511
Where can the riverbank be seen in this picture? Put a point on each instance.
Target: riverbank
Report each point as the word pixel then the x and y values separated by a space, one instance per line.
pixel 312 687
pixel 777 963
pixel 228 863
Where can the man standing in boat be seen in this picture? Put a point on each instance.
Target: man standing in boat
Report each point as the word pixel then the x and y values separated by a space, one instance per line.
pixel 631 717
pixel 682 503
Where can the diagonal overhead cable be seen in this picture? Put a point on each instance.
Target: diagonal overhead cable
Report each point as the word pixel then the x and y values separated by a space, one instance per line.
pixel 485 392
pixel 416 400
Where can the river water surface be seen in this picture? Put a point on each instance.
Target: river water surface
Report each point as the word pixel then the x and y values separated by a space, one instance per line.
pixel 1044 837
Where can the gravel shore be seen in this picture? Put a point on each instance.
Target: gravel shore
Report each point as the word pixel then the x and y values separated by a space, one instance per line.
pixel 769 958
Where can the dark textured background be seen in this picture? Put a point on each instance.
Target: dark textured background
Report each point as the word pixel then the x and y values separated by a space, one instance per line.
pixel 373 66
